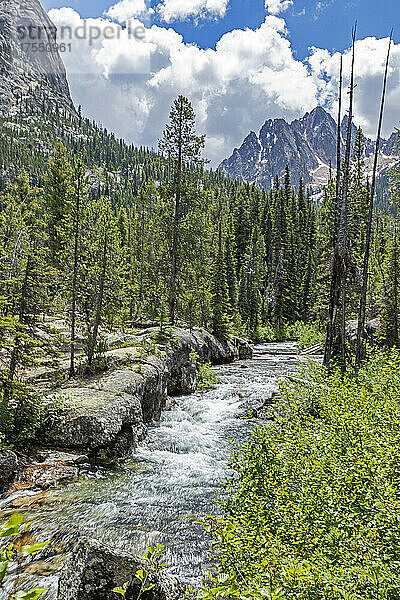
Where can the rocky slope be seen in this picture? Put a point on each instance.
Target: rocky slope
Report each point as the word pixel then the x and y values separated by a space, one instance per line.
pixel 307 146
pixel 26 68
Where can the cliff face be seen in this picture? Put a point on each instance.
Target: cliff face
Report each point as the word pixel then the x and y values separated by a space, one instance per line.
pixel 30 64
pixel 307 146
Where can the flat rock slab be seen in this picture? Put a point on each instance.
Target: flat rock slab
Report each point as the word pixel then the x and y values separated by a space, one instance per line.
pixel 93 418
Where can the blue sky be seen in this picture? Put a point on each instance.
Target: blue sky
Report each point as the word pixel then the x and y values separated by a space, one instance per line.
pixel 251 63
pixel 325 24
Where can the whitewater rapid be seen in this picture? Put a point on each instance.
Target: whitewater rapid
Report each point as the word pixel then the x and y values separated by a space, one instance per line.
pixel 174 478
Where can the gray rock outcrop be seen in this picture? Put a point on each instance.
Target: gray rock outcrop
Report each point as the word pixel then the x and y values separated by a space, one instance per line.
pixel 106 415
pixel 371 331
pixel 30 65
pixel 94 569
pixel 8 467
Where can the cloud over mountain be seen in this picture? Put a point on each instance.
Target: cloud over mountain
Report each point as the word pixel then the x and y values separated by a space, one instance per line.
pixel 251 75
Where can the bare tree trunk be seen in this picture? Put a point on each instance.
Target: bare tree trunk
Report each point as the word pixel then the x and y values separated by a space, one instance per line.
pixel 340 254
pixel 396 291
pixel 363 299
pixel 334 286
pixel 342 258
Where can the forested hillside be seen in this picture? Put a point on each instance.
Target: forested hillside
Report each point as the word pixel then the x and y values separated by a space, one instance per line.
pixel 31 131
pixel 240 258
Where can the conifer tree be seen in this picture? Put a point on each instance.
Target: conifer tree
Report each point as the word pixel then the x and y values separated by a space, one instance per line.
pixel 222 325
pixel 79 193
pixel 57 196
pixel 230 252
pixel 182 147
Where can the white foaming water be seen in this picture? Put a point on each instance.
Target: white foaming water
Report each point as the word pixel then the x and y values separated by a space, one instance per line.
pixel 174 478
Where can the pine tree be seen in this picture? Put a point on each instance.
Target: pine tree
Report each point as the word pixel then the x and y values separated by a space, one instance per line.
pixel 182 148
pixel 58 202
pixel 230 251
pixel 79 193
pixel 222 325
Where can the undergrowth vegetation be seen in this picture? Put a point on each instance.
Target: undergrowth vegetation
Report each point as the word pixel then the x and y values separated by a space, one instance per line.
pixel 314 503
pixel 306 334
pixel 207 377
pixel 23 415
pixel 14 551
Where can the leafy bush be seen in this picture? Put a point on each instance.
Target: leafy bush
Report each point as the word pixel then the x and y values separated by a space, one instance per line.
pixel 314 503
pixel 12 530
pixel 147 348
pixel 154 565
pixel 164 335
pixel 207 377
pixel 306 334
pixel 22 415
pixel 268 333
pixel 94 351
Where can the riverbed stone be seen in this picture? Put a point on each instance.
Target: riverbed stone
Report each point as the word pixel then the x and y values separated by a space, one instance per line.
pixel 244 350
pixel 92 419
pixel 94 569
pixel 8 467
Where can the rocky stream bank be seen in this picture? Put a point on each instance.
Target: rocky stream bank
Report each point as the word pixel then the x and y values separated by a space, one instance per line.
pixel 102 418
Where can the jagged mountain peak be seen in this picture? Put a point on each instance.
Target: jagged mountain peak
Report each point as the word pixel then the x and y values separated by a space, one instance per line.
pixel 308 145
pixel 317 114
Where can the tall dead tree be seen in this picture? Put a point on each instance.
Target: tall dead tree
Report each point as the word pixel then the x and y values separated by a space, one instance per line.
pixel 341 258
pixel 364 289
pixel 334 288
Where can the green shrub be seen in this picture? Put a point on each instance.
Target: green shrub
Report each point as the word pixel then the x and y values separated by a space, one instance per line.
pixel 22 415
pixel 306 334
pixel 12 531
pixel 153 559
pixel 268 333
pixel 164 335
pixel 313 511
pixel 207 377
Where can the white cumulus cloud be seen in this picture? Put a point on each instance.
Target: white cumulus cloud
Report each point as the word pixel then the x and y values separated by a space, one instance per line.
pixel 369 67
pixel 275 7
pixel 126 9
pixel 180 10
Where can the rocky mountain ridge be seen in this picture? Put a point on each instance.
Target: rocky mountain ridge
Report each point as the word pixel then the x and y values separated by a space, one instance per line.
pixel 30 63
pixel 306 145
